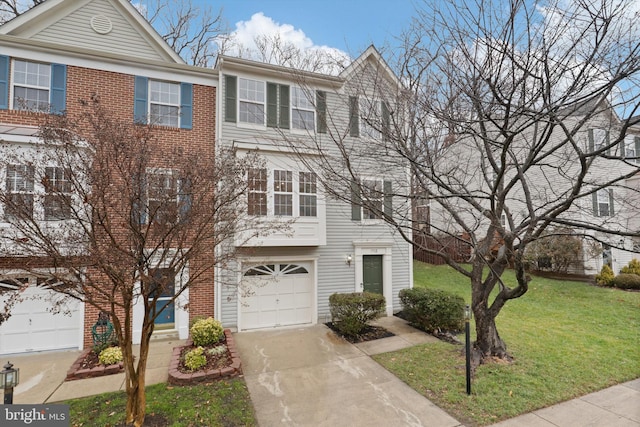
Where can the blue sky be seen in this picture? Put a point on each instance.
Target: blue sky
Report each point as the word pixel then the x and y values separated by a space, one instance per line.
pixel 348 25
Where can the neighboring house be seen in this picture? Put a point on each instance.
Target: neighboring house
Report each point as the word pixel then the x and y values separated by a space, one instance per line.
pixel 289 117
pixel 615 208
pixel 51 57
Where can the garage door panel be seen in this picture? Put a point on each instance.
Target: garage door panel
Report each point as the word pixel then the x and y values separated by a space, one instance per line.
pixel 32 327
pixel 280 299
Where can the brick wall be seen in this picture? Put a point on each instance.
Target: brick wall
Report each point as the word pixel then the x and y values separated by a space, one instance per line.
pixel 116 93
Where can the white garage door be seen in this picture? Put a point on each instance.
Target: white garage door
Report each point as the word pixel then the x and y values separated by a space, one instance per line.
pixel 32 327
pixel 276 295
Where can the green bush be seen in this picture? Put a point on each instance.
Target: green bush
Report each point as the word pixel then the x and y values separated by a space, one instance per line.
pixel 195 359
pixel 605 278
pixel 433 309
pixel 632 268
pixel 110 356
pixel 626 281
pixel 351 312
pixel 206 331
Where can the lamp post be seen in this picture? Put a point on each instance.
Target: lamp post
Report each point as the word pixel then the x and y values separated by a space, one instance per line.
pixel 9 378
pixel 467 340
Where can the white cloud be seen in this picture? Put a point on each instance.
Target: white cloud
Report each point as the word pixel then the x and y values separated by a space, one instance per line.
pixel 263 39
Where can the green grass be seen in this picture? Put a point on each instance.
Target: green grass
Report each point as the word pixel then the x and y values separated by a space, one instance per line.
pixel 221 403
pixel 568 339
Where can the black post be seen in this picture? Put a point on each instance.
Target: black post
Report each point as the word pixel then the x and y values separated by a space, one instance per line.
pixel 8 396
pixel 468 348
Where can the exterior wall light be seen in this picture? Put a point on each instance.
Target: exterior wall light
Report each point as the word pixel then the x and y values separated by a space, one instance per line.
pixel 349 259
pixel 9 378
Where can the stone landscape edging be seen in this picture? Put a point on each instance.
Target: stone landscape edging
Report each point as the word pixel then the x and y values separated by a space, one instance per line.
pixel 186 378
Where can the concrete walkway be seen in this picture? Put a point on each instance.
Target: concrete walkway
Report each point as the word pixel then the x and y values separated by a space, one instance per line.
pixel 309 377
pixel 42 375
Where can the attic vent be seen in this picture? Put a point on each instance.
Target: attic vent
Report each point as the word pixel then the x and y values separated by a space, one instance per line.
pixel 101 24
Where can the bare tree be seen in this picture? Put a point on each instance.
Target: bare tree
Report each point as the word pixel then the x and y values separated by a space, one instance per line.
pixel 190 30
pixel 124 219
pixel 496 118
pixel 9 9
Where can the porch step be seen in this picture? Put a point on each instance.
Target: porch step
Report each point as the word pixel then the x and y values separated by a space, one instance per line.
pixel 164 335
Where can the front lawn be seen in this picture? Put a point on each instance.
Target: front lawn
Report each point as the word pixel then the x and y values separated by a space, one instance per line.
pixel 220 403
pixel 568 339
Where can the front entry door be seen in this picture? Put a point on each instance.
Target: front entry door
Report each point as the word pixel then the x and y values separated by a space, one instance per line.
pixel 164 279
pixel 372 273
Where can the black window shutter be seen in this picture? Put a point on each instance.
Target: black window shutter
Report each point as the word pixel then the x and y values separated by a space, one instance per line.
pixel 637 142
pixel 592 145
pixel 388 199
pixel 354 117
pixel 386 120
pixel 272 105
pixel 230 98
pixel 611 210
pixel 283 121
pixel 356 201
pixel 594 198
pixel 321 110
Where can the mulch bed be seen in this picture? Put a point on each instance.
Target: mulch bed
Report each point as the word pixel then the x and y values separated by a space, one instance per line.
pixel 370 333
pixel 87 365
pixel 214 361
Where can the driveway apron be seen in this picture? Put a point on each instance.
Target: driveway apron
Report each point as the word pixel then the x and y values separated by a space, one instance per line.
pixel 310 377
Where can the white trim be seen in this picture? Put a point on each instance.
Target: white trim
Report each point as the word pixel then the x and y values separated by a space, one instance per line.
pixel 376 247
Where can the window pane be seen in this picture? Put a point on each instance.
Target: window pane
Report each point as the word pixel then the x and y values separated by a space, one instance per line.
pixel 304 120
pixel 257 204
pixel 282 181
pixel 257 197
pixel 25 98
pixel 251 113
pixel 57 207
pixel 283 204
pixel 165 115
pixel 308 205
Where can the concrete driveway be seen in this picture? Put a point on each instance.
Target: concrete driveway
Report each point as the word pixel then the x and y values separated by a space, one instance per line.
pixel 310 377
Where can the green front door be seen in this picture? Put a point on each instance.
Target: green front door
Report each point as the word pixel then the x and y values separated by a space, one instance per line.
pixel 372 273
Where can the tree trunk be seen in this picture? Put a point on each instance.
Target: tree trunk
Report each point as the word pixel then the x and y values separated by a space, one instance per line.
pixel 135 380
pixel 488 342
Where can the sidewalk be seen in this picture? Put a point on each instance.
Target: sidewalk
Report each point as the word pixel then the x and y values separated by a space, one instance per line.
pixel 42 381
pixel 42 375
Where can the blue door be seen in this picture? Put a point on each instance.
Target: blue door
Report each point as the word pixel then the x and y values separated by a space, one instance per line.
pixel 164 282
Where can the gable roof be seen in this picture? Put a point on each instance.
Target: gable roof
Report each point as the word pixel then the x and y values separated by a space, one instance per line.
pixel 370 55
pixel 112 26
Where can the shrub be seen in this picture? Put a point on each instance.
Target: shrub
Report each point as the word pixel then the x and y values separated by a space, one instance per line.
pixel 605 278
pixel 206 331
pixel 110 356
pixel 195 359
pixel 433 309
pixel 632 268
pixel 626 281
pixel 351 312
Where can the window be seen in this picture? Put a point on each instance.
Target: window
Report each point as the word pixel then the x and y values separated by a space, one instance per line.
pixel 31 82
pixel 282 193
pixel 251 97
pixel 632 148
pixel 368 118
pixel 598 138
pixel 373 198
pixel 34 86
pixel 603 203
pixel 57 198
pixel 19 187
pixel 308 198
pixel 162 197
pixel 164 103
pixel 302 110
pixel 257 203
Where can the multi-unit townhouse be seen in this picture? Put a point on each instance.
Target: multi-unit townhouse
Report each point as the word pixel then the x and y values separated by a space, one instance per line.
pixel 605 220
pixel 63 51
pixel 52 56
pixel 298 120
